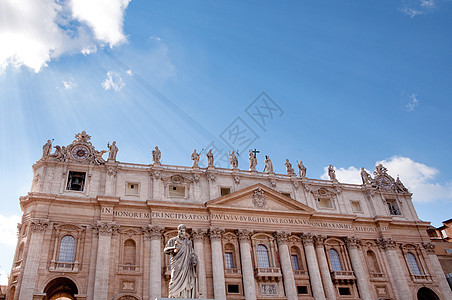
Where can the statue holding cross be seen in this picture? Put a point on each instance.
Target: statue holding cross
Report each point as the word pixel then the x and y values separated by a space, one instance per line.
pixel 253 159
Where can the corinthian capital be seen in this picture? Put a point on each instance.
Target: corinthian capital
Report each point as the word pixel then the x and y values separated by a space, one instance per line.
pixel 352 242
pixel 281 237
pixel 39 225
pixel 429 247
pixel 244 234
pixel 106 228
pixel 215 233
pixel 308 238
pixel 387 243
pixel 198 234
pixel 319 240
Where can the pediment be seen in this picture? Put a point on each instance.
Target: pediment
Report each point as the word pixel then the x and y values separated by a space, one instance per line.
pixel 259 197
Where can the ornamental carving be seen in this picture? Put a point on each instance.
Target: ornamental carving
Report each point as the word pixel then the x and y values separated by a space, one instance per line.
pixel 259 199
pixel 111 171
pixel 198 234
pixel 429 247
pixel 106 228
pixel 387 243
pixel 174 179
pixel 39 225
pixel 352 242
pixel 320 240
pixel 211 177
pixel 281 237
pixel 244 234
pixel 237 179
pixel 308 238
pixel 215 233
pixel 155 232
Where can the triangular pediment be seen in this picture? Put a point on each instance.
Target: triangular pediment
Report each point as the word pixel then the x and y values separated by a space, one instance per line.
pixel 259 197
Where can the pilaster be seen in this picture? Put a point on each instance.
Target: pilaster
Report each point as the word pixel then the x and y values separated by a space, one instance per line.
pixel 328 286
pixel 361 277
pixel 198 244
pixel 436 267
pixel 219 288
pixel 313 267
pixel 286 266
pixel 249 284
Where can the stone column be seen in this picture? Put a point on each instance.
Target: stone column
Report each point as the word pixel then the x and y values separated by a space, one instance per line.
pixel 249 285
pixel 361 277
pixel 198 244
pixel 155 273
pixel 436 267
pixel 219 289
pixel 390 247
pixel 313 267
pixel 37 230
pixel 104 230
pixel 286 266
pixel 328 286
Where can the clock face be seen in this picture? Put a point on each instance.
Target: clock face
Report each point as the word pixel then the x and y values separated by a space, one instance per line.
pixel 385 183
pixel 80 152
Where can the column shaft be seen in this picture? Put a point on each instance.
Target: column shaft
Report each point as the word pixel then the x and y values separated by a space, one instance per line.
pixel 286 266
pixel 361 276
pixel 219 288
pixel 436 267
pixel 249 285
pixel 198 238
pixel 155 278
pixel 328 286
pixel 313 267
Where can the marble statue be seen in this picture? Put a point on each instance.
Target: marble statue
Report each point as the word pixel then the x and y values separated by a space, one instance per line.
pixel 98 156
pixel 210 158
pixel 268 164
pixel 289 168
pixel 156 155
pixel 113 151
pixel 47 148
pixel 301 170
pixel 365 176
pixel 195 159
pixel 332 173
pixel 253 161
pixel 233 160
pixel 183 283
pixel 59 154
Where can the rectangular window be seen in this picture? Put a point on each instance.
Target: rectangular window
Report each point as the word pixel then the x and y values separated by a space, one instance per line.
pixel 324 203
pixel 76 181
pixel 344 291
pixel 233 289
pixel 393 207
pixel 356 206
pixel 176 191
pixel 228 260
pixel 302 290
pixel 448 251
pixel 295 264
pixel 225 191
pixel 132 189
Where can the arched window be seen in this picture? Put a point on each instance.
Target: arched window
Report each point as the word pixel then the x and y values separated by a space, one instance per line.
pixel 372 261
pixel 263 260
pixel 129 252
pixel 412 262
pixel 335 260
pixel 295 258
pixel 67 248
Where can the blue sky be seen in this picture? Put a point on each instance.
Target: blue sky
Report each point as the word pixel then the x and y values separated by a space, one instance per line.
pixel 351 83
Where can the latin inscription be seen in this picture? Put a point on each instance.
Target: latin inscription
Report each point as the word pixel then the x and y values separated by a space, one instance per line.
pixel 127 214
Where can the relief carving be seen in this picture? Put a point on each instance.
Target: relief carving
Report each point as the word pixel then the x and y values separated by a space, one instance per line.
pixel 106 228
pixel 259 199
pixel 215 233
pixel 39 225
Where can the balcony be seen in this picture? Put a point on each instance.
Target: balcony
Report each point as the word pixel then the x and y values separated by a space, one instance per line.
pixel 377 276
pixel 421 278
pixel 268 274
pixel 232 272
pixel 129 269
pixel 61 266
pixel 343 277
pixel 300 273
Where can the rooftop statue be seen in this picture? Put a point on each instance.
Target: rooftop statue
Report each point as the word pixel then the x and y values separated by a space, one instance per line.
pixel 183 283
pixel 98 156
pixel 301 170
pixel 268 164
pixel 113 151
pixel 289 168
pixel 210 158
pixel 332 173
pixel 47 148
pixel 195 158
pixel 365 176
pixel 156 156
pixel 233 160
pixel 253 161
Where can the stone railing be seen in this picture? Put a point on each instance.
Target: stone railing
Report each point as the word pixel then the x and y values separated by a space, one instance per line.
pixel 271 274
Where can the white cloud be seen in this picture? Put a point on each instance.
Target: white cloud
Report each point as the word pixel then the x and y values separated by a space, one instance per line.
pixel 411 105
pixel 69 84
pixel 113 81
pixel 155 38
pixel 104 17
pixel 35 32
pixel 8 230
pixel 416 176
pixel 413 8
pixel 129 72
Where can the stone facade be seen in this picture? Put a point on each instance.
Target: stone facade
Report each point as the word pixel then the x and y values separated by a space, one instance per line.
pixel 96 229
pixel 441 239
